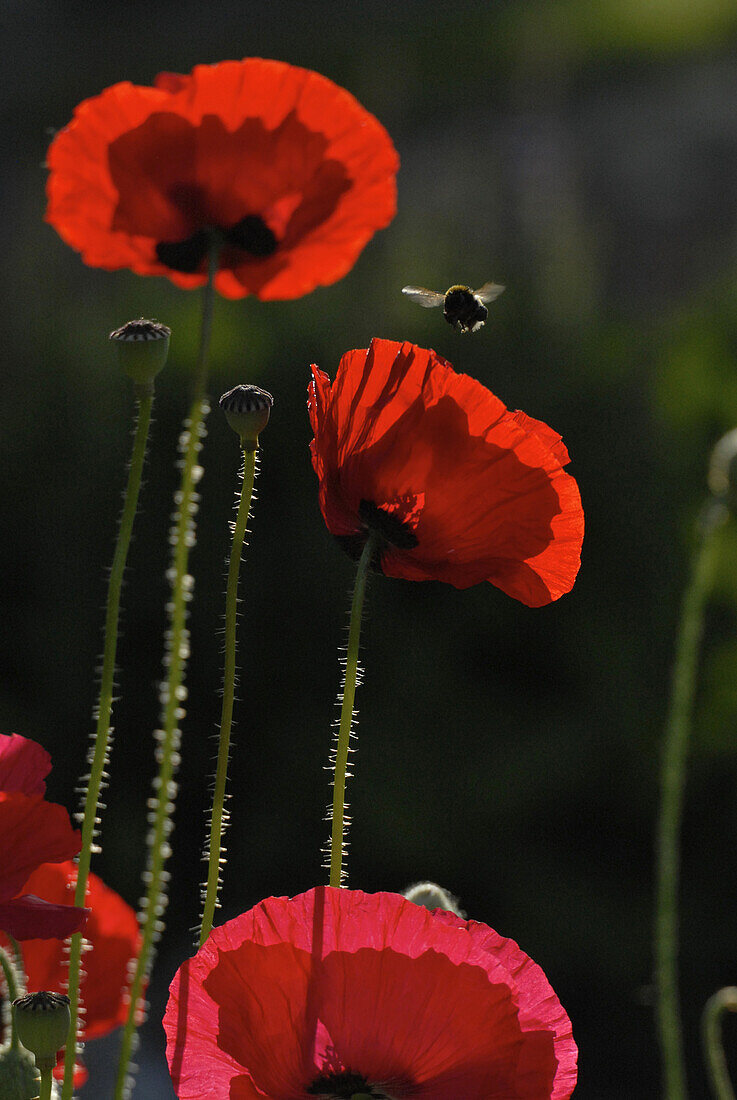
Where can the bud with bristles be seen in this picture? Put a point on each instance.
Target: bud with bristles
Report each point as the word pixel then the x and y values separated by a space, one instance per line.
pixel 42 1024
pixel 142 348
pixel 431 896
pixel 247 409
pixel 18 1075
pixel 723 471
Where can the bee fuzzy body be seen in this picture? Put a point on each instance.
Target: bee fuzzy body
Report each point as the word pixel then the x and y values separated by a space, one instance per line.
pixel 463 308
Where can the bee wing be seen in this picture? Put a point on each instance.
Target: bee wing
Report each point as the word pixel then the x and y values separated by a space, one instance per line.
pixel 426 298
pixel 488 292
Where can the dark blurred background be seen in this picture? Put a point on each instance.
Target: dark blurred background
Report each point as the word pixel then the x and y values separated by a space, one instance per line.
pixel 586 156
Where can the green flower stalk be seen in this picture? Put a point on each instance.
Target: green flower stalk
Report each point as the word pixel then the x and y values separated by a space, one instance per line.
pixel 247 409
pixel 339 758
pixel 173 691
pixel 724 1000
pixel 722 482
pixel 13 977
pixel 142 350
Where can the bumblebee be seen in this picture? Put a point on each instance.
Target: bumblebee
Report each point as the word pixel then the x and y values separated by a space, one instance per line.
pixel 463 308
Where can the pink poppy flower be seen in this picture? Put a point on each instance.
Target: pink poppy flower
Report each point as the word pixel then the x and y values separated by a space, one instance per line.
pixel 341 994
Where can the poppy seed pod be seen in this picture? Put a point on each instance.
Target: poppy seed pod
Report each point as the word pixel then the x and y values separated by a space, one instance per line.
pixel 723 471
pixel 143 347
pixel 247 410
pixel 42 1023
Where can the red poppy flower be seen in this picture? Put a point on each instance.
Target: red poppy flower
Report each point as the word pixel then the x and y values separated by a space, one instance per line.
pixel 285 168
pixel 456 487
pixel 114 939
pixel 32 831
pixel 336 993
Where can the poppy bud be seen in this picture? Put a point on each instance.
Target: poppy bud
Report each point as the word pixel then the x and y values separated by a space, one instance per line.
pixel 247 409
pixel 143 347
pixel 18 1075
pixel 42 1022
pixel 432 896
pixel 723 470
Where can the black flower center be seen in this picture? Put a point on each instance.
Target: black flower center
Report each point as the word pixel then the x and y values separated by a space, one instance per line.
pixel 343 1086
pixel 391 531
pixel 250 235
pixel 388 526
pixel 186 256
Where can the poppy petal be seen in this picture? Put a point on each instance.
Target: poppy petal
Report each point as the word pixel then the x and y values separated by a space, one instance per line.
pixel 23 765
pixel 32 831
pixel 31 918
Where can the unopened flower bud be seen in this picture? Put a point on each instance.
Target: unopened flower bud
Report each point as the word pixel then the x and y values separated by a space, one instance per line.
pixel 723 471
pixel 432 896
pixel 142 347
pixel 18 1074
pixel 247 409
pixel 42 1023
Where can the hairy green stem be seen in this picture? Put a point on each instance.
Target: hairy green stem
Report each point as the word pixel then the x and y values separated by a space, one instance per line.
pixel 173 694
pixel 99 752
pixel 217 820
pixel 13 987
pixel 337 842
pixel 724 1000
pixel 673 776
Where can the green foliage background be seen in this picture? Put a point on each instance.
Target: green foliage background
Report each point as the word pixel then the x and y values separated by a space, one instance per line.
pixel 586 156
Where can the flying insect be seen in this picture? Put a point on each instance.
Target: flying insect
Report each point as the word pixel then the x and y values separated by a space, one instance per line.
pixel 463 308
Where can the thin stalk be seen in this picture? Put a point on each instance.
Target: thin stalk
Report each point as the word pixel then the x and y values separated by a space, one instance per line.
pixel 337 842
pixel 98 758
pixel 173 692
pixel 217 820
pixel 673 776
pixel 724 1000
pixel 45 1093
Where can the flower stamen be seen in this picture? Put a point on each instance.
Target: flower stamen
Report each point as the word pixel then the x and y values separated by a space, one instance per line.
pixel 344 1086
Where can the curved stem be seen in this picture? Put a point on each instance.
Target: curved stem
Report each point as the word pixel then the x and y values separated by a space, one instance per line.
pixel 217 820
pixel 173 692
pixel 724 1000
pixel 673 774
pixel 98 758
pixel 337 842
